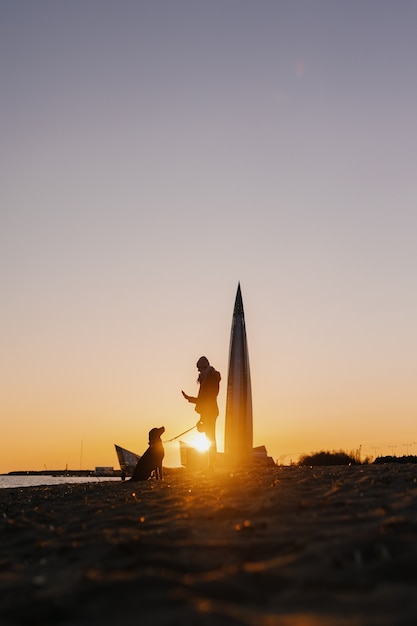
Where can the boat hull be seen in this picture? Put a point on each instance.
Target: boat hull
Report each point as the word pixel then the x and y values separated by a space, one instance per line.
pixel 191 458
pixel 127 460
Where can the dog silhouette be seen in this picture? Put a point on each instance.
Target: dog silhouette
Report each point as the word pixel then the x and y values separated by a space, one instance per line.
pixel 151 461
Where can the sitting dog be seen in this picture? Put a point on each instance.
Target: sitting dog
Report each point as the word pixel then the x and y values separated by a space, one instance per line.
pixel 151 461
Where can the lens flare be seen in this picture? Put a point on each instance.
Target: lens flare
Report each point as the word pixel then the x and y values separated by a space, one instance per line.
pixel 200 443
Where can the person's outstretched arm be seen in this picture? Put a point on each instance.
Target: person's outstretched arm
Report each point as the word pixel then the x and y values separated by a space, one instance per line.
pixel 189 398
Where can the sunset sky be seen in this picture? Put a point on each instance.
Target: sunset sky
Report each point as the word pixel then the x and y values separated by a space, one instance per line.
pixel 154 154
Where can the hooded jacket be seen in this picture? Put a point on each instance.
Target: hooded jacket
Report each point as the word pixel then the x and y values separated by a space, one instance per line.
pixel 206 401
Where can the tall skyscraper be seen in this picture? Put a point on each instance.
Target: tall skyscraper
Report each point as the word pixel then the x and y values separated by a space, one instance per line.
pixel 238 439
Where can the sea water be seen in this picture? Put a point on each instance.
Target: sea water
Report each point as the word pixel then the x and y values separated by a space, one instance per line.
pixel 10 482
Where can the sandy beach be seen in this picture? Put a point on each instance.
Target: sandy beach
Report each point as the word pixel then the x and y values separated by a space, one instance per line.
pixel 278 547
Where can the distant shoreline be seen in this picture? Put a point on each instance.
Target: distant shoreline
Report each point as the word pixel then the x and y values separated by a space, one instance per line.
pixel 66 472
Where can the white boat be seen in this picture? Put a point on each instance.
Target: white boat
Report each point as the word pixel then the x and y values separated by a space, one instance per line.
pixel 127 460
pixel 260 457
pixel 194 460
pixel 191 458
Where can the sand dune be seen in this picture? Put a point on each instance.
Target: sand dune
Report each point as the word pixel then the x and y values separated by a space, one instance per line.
pixel 280 547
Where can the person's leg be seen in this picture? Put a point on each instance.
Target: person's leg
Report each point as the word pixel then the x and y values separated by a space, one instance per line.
pixel 210 430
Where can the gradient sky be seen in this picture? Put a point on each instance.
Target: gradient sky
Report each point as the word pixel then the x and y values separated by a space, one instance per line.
pixel 154 154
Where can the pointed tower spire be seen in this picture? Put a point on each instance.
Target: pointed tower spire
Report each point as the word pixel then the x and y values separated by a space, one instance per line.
pixel 238 440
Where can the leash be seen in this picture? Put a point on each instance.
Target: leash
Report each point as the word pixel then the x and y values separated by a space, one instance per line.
pixel 180 435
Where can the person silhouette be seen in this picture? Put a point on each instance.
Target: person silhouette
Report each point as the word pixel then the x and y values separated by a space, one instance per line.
pixel 206 404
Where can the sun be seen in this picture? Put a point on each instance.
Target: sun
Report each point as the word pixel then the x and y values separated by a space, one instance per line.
pixel 200 443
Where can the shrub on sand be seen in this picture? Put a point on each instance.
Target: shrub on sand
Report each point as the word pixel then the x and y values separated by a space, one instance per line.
pixel 327 458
